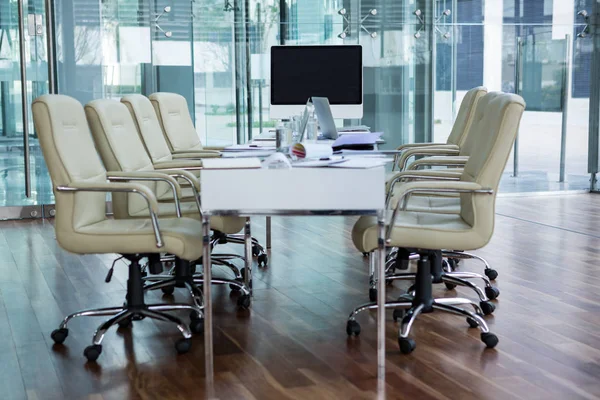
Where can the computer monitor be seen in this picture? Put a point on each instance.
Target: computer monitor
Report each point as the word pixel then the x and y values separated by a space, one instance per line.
pixel 300 72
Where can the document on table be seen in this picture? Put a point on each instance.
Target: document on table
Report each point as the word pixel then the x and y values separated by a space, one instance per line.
pixel 361 163
pixel 357 139
pixel 318 163
pixel 249 147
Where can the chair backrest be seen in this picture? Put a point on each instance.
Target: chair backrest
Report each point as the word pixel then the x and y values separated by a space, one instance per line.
pixel 495 124
pixel 175 121
pixel 148 127
pixel 464 118
pixel 121 149
pixel 70 155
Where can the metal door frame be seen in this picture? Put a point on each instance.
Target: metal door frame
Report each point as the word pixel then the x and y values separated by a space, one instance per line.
pixel 39 210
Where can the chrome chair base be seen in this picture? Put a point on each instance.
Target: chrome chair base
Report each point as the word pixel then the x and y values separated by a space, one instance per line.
pixel 420 300
pixel 135 309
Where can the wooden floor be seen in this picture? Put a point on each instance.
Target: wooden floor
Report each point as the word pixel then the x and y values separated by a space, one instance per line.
pixel 292 344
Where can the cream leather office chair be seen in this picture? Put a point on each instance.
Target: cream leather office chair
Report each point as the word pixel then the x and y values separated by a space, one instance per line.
pixel 123 152
pixel 177 125
pixel 80 185
pixel 441 203
pixel 182 131
pixel 455 141
pixel 429 232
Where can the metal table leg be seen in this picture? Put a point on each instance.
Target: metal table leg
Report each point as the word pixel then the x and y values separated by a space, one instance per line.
pixel 248 254
pixel 208 328
pixel 268 223
pixel 381 306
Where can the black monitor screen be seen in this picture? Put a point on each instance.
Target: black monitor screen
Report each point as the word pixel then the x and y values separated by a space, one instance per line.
pixel 300 72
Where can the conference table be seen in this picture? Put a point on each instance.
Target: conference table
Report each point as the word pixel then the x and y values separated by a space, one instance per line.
pixel 291 192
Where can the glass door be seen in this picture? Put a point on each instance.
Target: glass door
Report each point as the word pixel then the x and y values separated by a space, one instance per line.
pixel 25 186
pixel 398 49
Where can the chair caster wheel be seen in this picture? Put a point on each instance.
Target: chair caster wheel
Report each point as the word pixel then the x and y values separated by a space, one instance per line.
pixel 352 328
pixel 492 292
pixel 197 325
pixel 365 254
pixel 398 314
pixel 263 259
pixel 93 352
pixel 492 274
pixel 169 290
pixel 59 335
pixel 487 307
pixel 489 339
pixel 126 323
pixel 472 323
pixel 183 345
pixel 407 345
pixel 244 301
pixel 450 286
pixel 373 294
pixel 255 251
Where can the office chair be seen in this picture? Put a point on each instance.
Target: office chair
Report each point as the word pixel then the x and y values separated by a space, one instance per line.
pixel 182 132
pixel 453 148
pixel 499 116
pixel 80 186
pixel 123 152
pixel 439 203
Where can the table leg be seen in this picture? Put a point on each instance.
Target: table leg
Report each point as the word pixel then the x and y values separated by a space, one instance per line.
pixel 248 255
pixel 268 223
pixel 208 328
pixel 381 305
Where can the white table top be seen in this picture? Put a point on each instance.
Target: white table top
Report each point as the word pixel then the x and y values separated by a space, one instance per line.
pixel 296 191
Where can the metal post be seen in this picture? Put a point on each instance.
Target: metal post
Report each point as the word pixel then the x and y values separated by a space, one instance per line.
pixel 260 38
pixel 248 255
pixel 565 107
pixel 268 229
pixel 381 300
pixel 237 21
pixel 594 118
pixel 248 68
pixel 208 325
pixel 49 4
pixel 24 104
pixel 454 48
pixel 518 66
pixel 283 21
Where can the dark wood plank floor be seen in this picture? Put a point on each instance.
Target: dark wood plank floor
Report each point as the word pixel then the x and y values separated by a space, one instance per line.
pixel 293 345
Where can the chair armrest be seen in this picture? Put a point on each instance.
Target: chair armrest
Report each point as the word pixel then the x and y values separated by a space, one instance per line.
pixel 432 187
pixel 445 175
pixel 152 176
pixel 214 148
pixel 191 179
pixel 196 154
pixel 184 174
pixel 409 146
pixel 424 151
pixel 188 165
pixel 127 187
pixel 447 161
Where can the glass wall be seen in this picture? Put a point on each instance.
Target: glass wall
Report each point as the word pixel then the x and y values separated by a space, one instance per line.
pixel 420 58
pixel 470 57
pixel 15 162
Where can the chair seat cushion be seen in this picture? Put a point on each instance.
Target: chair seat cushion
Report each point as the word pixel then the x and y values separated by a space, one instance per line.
pixel 419 230
pixel 181 236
